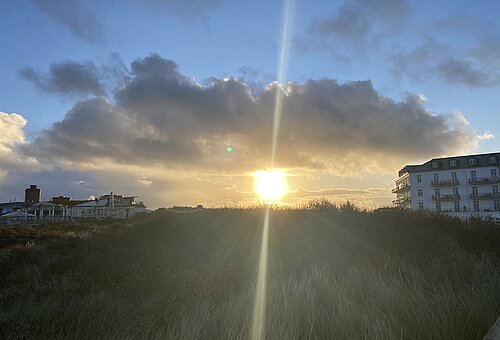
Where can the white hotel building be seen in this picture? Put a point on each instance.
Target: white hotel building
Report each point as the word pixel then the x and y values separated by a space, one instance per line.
pixel 462 184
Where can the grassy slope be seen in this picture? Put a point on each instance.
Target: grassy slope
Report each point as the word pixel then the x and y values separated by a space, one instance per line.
pixel 334 273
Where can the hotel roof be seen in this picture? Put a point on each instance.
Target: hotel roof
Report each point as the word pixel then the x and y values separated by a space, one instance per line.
pixel 461 162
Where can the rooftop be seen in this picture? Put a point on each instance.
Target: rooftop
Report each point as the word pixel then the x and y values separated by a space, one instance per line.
pixel 454 162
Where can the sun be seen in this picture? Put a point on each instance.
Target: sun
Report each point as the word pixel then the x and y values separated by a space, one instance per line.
pixel 270 185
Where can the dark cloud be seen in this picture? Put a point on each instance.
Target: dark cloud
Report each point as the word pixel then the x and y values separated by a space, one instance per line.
pixel 68 78
pixel 73 15
pixel 256 80
pixel 161 117
pixel 474 68
pixel 357 20
pixel 464 72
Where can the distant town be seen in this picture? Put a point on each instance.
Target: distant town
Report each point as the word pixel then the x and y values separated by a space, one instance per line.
pixel 33 211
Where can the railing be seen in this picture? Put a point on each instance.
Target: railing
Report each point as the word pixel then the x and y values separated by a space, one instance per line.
pixel 485 195
pixel 400 187
pixel 484 180
pixel 448 182
pixel 445 197
pixel 400 200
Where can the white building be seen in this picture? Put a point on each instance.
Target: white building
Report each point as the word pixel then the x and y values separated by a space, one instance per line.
pixel 113 206
pixel 462 184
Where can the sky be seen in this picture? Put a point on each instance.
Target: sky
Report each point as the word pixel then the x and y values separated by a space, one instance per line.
pixel 144 97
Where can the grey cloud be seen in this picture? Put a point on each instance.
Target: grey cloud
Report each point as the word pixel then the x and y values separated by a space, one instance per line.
pixel 487 52
pixel 355 20
pixel 68 78
pixel 254 79
pixel 475 68
pixel 457 71
pixel 75 17
pixel 162 117
pixel 78 19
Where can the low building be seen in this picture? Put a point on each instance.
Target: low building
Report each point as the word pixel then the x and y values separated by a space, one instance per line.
pixel 106 206
pixel 9 207
pixel 462 184
pixel 61 208
pixel 18 217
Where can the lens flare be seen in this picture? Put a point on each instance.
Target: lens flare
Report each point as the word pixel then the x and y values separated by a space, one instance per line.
pixel 277 190
pixel 259 309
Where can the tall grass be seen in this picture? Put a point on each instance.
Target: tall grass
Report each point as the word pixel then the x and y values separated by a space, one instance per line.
pixel 334 272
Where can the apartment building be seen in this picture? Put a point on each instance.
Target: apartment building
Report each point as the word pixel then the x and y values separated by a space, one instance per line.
pixel 461 184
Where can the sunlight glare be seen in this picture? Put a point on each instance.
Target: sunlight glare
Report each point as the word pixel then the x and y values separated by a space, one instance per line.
pixel 270 185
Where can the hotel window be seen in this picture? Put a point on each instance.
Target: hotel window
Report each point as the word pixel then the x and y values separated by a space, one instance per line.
pixel 472 161
pixel 497 205
pixel 435 165
pixel 457 206
pixel 476 205
pixel 436 193
pixel 473 174
pixel 493 173
pixel 436 178
pixel 419 178
pixel 453 163
pixel 438 206
pixel 474 191
pixel 420 205
pixel 420 192
pixel 455 192
pixel 495 190
pixel 453 176
pixel 492 160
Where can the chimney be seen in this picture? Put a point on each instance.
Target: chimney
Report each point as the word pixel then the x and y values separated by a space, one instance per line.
pixel 111 200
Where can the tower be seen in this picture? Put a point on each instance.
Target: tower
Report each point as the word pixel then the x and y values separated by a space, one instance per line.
pixel 32 195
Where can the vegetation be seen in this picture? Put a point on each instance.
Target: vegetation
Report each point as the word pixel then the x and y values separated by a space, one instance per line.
pixel 334 272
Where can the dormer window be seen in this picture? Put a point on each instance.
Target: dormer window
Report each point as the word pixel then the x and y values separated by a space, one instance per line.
pixel 492 160
pixel 435 165
pixel 453 163
pixel 472 161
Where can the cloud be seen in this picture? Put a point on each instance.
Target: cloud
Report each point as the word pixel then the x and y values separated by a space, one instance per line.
pixel 81 21
pixel 73 15
pixel 369 197
pixel 356 21
pixel 11 137
pixel 486 136
pixel 165 119
pixel 463 72
pixel 68 78
pixel 436 60
pixel 474 67
pixel 254 79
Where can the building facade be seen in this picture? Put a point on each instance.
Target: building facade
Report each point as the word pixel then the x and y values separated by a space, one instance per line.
pixel 462 184
pixel 106 206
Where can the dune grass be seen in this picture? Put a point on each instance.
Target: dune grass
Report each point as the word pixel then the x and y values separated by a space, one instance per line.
pixel 335 272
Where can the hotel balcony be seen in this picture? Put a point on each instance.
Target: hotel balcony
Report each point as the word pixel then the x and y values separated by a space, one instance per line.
pixel 485 195
pixel 484 180
pixel 445 183
pixel 400 188
pixel 446 197
pixel 401 200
